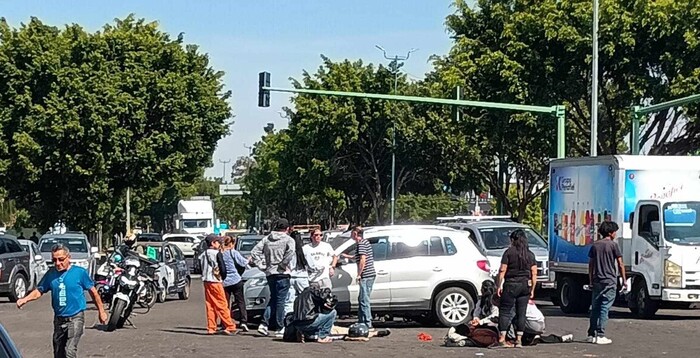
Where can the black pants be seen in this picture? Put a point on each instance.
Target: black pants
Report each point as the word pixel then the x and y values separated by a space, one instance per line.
pixel 237 292
pixel 530 340
pixel 66 335
pixel 515 294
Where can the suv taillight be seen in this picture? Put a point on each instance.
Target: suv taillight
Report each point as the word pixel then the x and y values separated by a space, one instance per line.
pixel 484 265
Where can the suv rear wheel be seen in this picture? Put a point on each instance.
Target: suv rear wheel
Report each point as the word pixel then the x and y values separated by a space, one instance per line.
pixel 18 287
pixel 453 306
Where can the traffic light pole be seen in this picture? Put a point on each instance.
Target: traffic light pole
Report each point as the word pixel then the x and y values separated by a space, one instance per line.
pixel 558 111
pixel 639 112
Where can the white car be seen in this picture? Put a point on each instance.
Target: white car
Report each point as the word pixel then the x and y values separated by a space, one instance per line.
pixel 37 265
pixel 185 242
pixel 426 273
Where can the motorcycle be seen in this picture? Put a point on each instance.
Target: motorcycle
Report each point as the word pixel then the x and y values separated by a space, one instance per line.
pixel 133 286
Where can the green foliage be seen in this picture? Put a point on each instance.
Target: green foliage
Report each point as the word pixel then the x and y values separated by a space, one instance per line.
pixel 533 215
pixel 85 115
pixel 417 208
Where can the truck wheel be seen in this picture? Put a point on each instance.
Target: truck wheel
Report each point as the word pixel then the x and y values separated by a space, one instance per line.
pixel 453 306
pixel 18 287
pixel 185 294
pixel 645 307
pixel 572 297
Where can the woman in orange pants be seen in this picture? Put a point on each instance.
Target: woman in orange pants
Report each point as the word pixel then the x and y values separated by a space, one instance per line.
pixel 212 264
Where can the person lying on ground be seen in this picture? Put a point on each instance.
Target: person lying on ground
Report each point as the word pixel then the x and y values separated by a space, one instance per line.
pixel 535 328
pixel 314 315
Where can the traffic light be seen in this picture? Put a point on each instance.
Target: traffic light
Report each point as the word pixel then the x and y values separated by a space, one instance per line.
pixel 263 94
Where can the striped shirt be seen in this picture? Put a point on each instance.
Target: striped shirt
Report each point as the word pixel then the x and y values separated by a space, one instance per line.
pixel 365 248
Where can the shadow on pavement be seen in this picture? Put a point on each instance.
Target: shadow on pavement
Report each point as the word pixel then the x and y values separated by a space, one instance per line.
pixel 185 331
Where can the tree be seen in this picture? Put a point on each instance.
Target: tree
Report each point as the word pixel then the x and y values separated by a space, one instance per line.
pixel 83 116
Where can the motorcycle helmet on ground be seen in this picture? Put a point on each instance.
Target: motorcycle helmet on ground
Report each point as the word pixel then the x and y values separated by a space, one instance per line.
pixel 358 330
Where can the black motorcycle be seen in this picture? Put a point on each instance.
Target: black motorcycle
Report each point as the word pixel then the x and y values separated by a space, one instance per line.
pixel 133 286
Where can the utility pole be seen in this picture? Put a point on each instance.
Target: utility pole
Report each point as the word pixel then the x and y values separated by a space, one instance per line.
pixel 128 210
pixel 594 89
pixel 250 149
pixel 224 162
pixel 395 60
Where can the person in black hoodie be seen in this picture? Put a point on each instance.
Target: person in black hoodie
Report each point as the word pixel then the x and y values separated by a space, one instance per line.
pixel 314 314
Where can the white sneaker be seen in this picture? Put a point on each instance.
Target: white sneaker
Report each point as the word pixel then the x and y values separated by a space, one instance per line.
pixel 280 333
pixel 567 338
pixel 244 327
pixel 603 340
pixel 591 339
pixel 262 329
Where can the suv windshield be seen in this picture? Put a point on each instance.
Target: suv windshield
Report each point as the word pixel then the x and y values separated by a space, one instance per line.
pixel 74 244
pixel 246 244
pixel 681 223
pixel 499 237
pixel 339 240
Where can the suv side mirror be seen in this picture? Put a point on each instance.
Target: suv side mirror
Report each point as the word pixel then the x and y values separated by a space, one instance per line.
pixel 38 258
pixel 656 228
pixel 93 250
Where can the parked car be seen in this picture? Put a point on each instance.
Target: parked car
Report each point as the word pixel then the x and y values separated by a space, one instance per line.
pixel 426 273
pixel 173 274
pixel 37 265
pixel 330 234
pixel 493 238
pixel 7 346
pixel 196 265
pixel 14 268
pixel 185 242
pixel 81 252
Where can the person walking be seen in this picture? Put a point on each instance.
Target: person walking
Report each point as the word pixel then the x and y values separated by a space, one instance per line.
pixel 603 256
pixel 67 284
pixel 364 257
pixel 213 274
pixel 235 265
pixel 321 260
pixel 517 280
pixel 273 255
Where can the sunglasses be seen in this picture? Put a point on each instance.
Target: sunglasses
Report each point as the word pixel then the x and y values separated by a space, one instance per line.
pixel 317 234
pixel 59 259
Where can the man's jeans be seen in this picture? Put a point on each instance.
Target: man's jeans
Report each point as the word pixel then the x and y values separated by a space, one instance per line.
pixel 279 289
pixel 66 335
pixel 364 311
pixel 603 298
pixel 321 326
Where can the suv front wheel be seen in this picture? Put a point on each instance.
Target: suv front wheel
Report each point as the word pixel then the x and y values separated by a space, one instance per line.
pixel 453 306
pixel 18 288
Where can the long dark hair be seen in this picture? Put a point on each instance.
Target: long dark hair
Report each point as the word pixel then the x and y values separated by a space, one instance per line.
pixel 299 247
pixel 519 244
pixel 488 289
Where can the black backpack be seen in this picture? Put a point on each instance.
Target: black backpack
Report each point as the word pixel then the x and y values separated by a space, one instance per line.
pixel 290 331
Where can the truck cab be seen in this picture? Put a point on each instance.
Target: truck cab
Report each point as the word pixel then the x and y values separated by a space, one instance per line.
pixel 664 256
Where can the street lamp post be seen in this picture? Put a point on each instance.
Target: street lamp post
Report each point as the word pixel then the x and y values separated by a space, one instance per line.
pixel 395 59
pixel 224 162
pixel 594 84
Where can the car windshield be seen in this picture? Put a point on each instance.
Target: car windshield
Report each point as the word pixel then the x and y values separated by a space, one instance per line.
pixel 246 244
pixel 149 238
pixel 339 240
pixel 25 247
pixel 74 244
pixel 194 224
pixel 499 237
pixel 180 239
pixel 681 225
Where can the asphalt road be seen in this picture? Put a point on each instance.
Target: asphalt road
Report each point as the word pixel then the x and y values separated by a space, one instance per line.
pixel 177 329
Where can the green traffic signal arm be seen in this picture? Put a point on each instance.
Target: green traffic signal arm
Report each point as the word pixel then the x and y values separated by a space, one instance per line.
pixel 638 112
pixel 558 111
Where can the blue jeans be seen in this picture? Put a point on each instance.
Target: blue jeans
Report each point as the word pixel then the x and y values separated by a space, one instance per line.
pixel 279 289
pixel 603 298
pixel 364 311
pixel 321 326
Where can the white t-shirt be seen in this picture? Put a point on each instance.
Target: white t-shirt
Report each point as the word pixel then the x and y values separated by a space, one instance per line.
pixel 320 259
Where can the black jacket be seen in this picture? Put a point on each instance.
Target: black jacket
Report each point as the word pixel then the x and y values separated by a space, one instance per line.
pixel 309 304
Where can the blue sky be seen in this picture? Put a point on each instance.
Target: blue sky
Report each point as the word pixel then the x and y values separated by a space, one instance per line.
pixel 283 37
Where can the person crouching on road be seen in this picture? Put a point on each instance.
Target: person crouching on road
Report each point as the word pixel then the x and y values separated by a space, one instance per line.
pixel 482 330
pixel 213 272
pixel 299 276
pixel 67 284
pixel 313 314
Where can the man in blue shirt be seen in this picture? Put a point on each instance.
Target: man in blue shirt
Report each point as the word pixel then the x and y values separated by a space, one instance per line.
pixel 67 285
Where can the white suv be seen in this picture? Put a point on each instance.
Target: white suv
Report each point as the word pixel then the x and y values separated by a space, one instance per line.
pixel 427 273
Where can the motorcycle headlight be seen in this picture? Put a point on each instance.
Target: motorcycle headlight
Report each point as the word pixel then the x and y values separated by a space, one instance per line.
pixel 672 275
